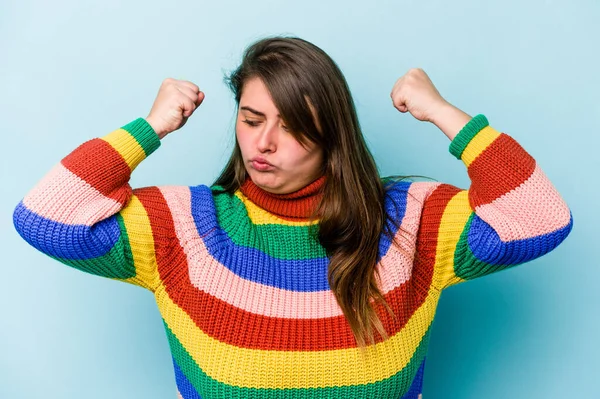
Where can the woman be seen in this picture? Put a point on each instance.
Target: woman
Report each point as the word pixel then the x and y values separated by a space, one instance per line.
pixel 300 272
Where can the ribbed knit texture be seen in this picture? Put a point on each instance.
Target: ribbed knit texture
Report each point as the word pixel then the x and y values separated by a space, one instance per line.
pixel 242 286
pixel 297 205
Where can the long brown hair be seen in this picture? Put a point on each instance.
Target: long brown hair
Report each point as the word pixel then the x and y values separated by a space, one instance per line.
pixel 314 100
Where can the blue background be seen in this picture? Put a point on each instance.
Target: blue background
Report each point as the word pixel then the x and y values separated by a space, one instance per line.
pixel 71 71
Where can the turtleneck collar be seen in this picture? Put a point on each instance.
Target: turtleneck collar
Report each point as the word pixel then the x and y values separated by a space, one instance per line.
pixel 292 206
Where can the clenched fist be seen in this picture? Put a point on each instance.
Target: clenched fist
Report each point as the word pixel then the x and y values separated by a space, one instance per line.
pixel 414 92
pixel 175 102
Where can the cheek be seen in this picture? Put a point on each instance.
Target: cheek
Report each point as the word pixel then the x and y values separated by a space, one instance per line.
pixel 242 138
pixel 307 158
pixel 316 159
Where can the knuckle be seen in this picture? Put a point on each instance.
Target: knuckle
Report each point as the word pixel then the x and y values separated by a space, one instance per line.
pixel 192 85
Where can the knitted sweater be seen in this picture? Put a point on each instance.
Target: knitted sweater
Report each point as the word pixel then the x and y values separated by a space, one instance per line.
pixel 242 286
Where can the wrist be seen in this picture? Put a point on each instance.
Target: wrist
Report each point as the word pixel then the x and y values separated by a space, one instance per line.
pixel 159 132
pixel 450 120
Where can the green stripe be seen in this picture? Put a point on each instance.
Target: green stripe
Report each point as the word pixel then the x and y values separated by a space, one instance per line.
pixel 117 263
pixel 466 134
pixel 396 385
pixel 466 265
pixel 292 242
pixel 144 135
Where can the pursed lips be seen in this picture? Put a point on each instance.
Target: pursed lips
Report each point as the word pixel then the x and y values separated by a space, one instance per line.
pixel 261 164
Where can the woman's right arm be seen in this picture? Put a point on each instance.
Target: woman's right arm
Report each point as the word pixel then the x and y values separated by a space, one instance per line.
pixel 85 214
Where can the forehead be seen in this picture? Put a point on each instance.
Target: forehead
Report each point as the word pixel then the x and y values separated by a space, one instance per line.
pixel 256 96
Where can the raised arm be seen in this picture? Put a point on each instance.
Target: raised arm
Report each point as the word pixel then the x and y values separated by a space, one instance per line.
pixel 510 214
pixel 84 213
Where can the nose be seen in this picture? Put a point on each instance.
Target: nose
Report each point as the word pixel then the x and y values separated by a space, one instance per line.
pixel 267 140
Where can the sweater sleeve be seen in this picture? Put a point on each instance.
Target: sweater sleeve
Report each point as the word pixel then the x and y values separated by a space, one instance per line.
pixel 84 213
pixel 511 213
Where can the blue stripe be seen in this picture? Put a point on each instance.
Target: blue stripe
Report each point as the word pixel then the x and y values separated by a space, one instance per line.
pixel 304 275
pixel 395 207
pixel 70 242
pixel 486 245
pixel 185 387
pixel 417 385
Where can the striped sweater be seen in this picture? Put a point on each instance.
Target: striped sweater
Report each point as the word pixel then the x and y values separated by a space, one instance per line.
pixel 242 286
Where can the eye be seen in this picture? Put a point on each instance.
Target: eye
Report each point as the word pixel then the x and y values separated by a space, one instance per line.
pixel 250 123
pixel 285 128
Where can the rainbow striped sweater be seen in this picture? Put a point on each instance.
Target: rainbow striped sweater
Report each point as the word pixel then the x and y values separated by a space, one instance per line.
pixel 242 286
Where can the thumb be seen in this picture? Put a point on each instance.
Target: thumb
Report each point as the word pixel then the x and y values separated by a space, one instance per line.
pixel 188 106
pixel 402 108
pixel 200 98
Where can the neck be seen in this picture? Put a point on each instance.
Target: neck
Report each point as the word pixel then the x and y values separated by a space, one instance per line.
pixel 298 205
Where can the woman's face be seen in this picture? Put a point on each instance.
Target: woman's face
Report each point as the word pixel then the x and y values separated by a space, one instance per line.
pixel 275 161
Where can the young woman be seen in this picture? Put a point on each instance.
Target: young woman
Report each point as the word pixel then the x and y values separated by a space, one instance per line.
pixel 300 273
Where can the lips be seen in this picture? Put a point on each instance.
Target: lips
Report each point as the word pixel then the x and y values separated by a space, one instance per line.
pixel 261 164
pixel 261 160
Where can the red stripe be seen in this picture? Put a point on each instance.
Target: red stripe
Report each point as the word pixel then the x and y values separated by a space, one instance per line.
pixel 428 236
pixel 500 168
pixel 102 167
pixel 234 326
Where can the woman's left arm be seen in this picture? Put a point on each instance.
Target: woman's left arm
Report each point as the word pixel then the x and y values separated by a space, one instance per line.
pixel 510 214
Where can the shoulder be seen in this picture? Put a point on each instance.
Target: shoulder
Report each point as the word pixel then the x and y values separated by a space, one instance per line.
pixel 399 188
pixel 404 196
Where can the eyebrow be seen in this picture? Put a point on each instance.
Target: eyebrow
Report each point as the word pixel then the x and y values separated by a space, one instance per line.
pixel 246 108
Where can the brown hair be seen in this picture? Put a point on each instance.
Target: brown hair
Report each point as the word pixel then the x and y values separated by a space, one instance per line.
pixel 314 100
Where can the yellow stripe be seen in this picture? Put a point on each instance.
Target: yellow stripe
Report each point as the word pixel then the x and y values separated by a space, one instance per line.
pixel 479 143
pixel 260 216
pixel 126 145
pixel 141 240
pixel 296 369
pixel 455 217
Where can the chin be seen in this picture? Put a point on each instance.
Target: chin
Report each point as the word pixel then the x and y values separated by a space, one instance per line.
pixel 266 181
